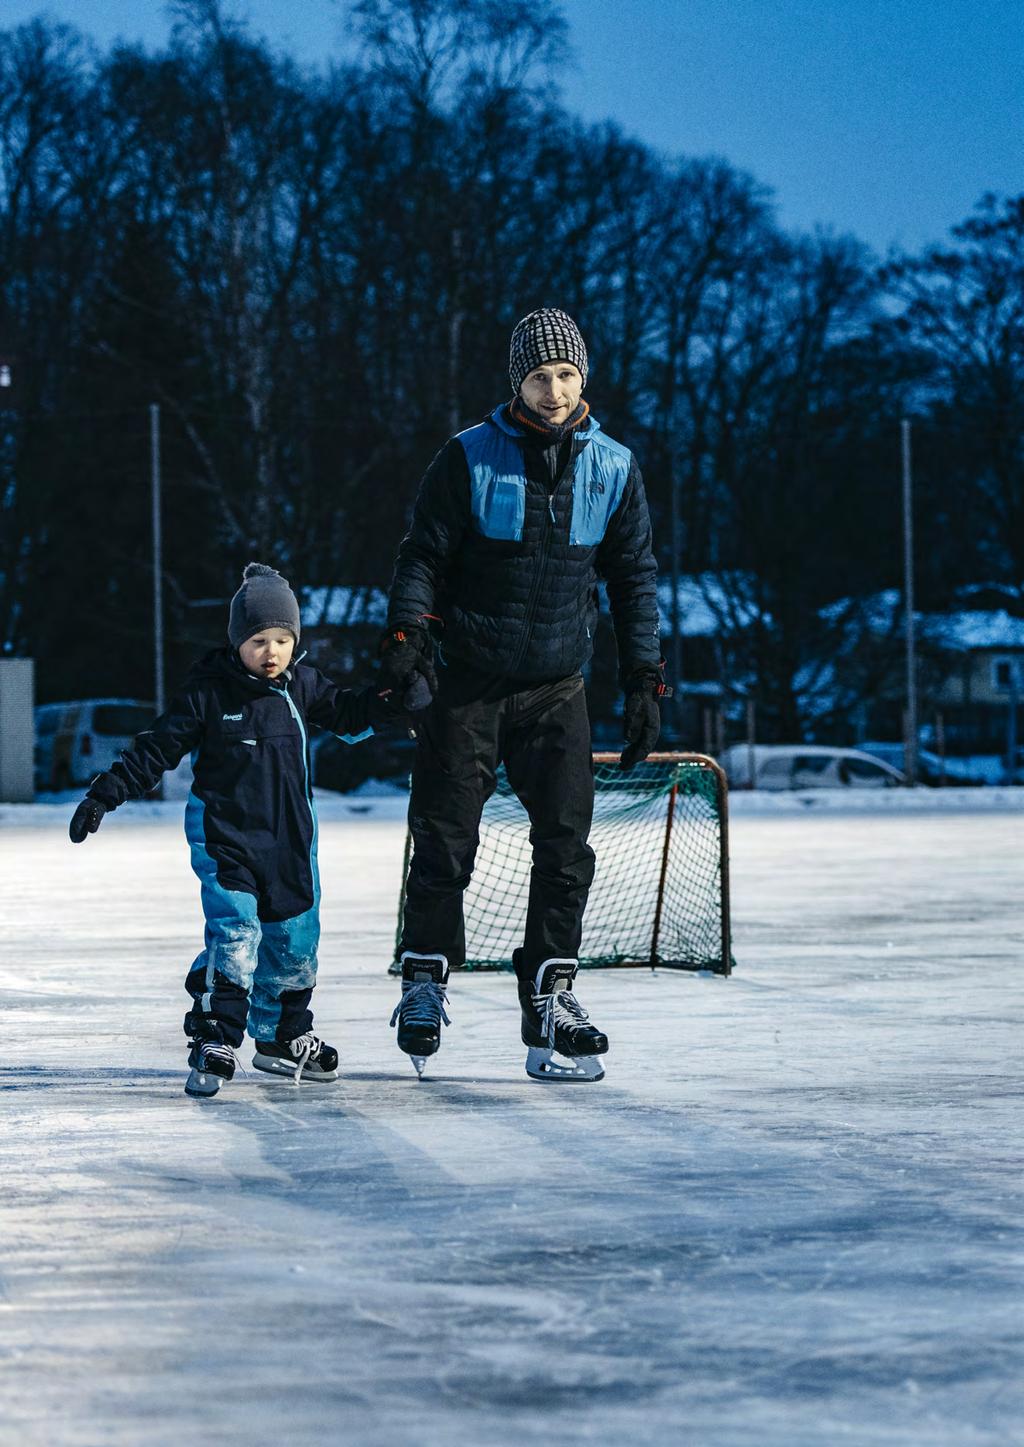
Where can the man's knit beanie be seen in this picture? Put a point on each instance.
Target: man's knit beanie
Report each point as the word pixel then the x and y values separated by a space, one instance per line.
pixel 547 335
pixel 263 601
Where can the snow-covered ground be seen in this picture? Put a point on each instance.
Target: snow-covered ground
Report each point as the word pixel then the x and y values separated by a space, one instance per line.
pixel 791 1214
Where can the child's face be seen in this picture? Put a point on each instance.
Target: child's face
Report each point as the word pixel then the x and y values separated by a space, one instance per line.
pixel 269 653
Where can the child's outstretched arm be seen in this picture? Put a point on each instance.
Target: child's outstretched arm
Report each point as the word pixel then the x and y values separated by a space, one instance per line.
pixel 152 753
pixel 353 713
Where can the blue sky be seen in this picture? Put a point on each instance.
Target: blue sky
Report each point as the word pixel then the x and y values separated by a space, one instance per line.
pixel 885 118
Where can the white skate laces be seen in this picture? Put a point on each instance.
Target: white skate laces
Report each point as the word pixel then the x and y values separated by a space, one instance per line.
pixel 560 1008
pixel 215 1050
pixel 305 1048
pixel 421 1003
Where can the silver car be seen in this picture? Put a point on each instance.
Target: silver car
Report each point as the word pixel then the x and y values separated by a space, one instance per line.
pixel 806 766
pixel 75 740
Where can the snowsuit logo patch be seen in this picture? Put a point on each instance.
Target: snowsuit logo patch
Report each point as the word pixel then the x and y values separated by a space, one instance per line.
pixel 231 717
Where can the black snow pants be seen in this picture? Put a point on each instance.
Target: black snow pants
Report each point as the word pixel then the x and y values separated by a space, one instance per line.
pixel 542 735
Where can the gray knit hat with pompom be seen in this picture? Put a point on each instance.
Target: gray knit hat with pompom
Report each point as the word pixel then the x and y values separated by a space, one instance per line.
pixel 263 601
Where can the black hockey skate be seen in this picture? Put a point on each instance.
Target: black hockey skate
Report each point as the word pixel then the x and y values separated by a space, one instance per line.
pixel 306 1057
pixel 555 1023
pixel 421 1009
pixel 213 1063
pixel 210 1056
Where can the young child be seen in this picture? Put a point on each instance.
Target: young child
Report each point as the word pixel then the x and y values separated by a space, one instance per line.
pixel 251 825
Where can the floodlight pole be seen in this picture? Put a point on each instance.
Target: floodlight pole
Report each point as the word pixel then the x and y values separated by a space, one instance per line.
pixel 910 728
pixel 158 604
pixel 677 625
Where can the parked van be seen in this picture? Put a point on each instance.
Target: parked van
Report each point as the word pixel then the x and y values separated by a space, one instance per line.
pixel 75 740
pixel 806 766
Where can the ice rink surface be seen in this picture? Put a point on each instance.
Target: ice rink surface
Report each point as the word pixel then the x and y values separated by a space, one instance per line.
pixel 790 1215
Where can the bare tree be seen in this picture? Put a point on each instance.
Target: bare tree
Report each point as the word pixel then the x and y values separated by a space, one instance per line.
pixel 964 308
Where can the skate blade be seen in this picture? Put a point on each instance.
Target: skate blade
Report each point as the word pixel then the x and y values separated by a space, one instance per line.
pixel 419 1065
pixel 201 1083
pixel 273 1066
pixel 542 1064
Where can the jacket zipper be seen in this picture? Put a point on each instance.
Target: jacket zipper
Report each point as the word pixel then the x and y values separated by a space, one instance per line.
pixel 305 749
pixel 542 565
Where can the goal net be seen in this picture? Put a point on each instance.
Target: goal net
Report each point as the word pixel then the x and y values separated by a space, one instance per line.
pixel 660 896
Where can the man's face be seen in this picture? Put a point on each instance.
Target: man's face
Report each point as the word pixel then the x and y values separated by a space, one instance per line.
pixel 268 654
pixel 553 391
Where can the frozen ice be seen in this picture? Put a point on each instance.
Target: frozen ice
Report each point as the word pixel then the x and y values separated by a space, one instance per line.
pixel 790 1215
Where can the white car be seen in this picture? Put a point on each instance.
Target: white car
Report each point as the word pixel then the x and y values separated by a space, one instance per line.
pixel 806 766
pixel 76 740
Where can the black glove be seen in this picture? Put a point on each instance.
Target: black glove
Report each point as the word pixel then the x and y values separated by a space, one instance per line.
pixel 642 716
pixel 418 695
pixel 406 652
pixel 87 819
pixel 394 708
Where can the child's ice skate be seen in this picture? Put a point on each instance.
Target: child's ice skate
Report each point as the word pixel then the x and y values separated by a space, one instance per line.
pixel 210 1056
pixel 422 1007
pixel 213 1064
pixel 306 1057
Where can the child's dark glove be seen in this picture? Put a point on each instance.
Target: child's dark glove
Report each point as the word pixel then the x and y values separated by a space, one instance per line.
pixel 406 652
pixel 418 695
pixel 87 819
pixel 642 716
pixel 401 710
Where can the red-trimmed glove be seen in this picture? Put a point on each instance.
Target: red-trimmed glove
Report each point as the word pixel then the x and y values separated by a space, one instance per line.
pixel 406 657
pixel 642 716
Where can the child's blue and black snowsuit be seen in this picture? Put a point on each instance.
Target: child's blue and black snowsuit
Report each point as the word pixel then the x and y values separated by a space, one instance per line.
pixel 252 828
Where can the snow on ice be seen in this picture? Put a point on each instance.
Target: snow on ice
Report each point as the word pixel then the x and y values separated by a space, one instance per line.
pixel 790 1215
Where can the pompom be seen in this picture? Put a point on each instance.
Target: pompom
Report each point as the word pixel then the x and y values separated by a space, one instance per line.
pixel 258 570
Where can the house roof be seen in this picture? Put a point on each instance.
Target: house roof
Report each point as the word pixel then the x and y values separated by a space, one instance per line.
pixel 975 630
pixel 340 607
pixel 710 603
pixel 964 630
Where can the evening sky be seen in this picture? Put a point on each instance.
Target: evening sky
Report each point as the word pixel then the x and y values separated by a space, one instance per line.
pixel 884 118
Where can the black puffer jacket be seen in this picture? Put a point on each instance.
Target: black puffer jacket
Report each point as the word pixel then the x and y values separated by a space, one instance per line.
pixel 525 607
pixel 251 805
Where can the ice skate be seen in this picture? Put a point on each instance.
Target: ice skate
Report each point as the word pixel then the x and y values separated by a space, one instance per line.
pixel 213 1063
pixel 421 1009
pixel 306 1057
pixel 555 1024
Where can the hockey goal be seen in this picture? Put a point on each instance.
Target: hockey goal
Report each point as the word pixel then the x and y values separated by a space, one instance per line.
pixel 660 896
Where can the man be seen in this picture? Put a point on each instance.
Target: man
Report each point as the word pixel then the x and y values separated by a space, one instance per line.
pixel 515 522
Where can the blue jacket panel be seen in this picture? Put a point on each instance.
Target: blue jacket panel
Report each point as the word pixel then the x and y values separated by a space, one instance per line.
pixel 497 481
pixel 509 556
pixel 248 738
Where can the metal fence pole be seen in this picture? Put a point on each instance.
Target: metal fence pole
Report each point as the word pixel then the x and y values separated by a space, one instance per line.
pixel 158 561
pixel 910 737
